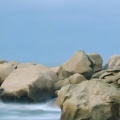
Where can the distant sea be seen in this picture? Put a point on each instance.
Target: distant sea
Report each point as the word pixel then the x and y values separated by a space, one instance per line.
pixel 39 111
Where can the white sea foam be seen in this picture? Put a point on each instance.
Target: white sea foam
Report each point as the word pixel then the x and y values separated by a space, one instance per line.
pixel 39 111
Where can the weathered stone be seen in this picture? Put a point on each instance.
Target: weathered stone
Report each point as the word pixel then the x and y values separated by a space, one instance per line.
pixel 79 63
pixel 98 61
pixel 89 100
pixel 62 83
pixel 76 78
pixel 98 74
pixel 110 77
pixel 5 70
pixel 29 84
pixel 106 74
pixel 113 62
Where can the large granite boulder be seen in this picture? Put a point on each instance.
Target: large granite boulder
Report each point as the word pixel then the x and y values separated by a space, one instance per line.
pixel 32 84
pixel 5 70
pixel 98 61
pixel 79 63
pixel 89 100
pixel 113 62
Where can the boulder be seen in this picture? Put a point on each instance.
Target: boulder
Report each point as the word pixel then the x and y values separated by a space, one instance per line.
pixel 98 61
pixel 74 79
pixel 79 63
pixel 89 100
pixel 62 83
pixel 114 62
pixel 32 84
pixel 5 70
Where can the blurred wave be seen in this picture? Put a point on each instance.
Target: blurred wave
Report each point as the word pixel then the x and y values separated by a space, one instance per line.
pixel 39 111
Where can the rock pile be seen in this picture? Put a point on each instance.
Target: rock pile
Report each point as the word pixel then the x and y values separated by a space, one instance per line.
pixel 27 83
pixel 85 89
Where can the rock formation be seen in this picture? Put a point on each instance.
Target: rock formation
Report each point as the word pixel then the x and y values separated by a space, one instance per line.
pixel 79 63
pixel 85 91
pixel 89 100
pixel 30 84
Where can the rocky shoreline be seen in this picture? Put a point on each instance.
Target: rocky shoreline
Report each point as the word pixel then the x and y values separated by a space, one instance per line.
pixel 84 88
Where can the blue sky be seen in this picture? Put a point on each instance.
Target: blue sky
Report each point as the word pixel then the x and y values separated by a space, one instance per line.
pixel 51 31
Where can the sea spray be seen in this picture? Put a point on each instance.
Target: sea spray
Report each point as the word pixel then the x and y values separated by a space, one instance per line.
pixel 38 111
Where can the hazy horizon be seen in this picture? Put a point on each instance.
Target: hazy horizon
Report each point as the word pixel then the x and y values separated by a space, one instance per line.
pixel 50 32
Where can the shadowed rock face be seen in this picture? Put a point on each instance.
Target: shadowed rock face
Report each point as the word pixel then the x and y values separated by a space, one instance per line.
pixel 79 63
pixel 98 61
pixel 31 84
pixel 89 100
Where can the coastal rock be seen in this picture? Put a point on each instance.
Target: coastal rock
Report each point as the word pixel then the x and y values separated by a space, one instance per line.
pixel 79 63
pixel 98 61
pixel 74 79
pixel 62 83
pixel 112 77
pixel 114 62
pixel 98 74
pixel 32 84
pixel 89 100
pixel 5 70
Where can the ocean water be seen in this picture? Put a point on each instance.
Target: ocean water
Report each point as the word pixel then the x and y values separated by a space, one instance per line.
pixel 39 111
